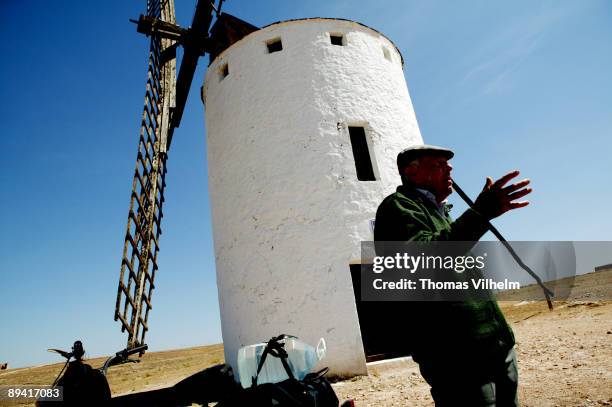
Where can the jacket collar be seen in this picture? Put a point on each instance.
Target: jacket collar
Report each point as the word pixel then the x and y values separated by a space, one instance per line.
pixel 410 191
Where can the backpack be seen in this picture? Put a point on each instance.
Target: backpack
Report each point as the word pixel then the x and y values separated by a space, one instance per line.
pixel 83 386
pixel 313 391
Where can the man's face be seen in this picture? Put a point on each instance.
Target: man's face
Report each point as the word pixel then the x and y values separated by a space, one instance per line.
pixel 432 174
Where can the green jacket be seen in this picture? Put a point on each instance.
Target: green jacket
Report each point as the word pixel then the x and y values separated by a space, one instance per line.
pixel 470 330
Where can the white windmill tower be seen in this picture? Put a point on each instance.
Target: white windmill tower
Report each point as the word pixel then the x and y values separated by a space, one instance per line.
pixel 304 121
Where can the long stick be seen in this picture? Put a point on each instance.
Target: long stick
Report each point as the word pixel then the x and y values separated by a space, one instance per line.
pixel 547 292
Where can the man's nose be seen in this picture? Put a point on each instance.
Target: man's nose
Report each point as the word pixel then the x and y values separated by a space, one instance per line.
pixel 449 167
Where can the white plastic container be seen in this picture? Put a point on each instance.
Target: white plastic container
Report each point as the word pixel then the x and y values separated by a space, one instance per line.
pixel 301 357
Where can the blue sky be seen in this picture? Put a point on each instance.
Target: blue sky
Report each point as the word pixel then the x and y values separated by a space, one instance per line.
pixel 516 84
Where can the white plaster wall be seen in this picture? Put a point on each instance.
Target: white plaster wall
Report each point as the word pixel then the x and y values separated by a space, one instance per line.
pixel 288 211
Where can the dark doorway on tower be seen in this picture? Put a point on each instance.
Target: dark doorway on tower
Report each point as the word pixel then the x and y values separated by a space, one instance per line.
pixel 385 329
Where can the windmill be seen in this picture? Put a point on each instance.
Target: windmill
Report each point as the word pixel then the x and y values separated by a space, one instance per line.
pixel 164 103
pixel 281 100
pixel 304 120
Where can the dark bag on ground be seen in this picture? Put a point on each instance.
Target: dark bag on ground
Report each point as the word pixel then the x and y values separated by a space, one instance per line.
pixel 314 391
pixel 83 386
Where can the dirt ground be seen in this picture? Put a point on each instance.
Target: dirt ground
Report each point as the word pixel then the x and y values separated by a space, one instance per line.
pixel 156 370
pixel 565 358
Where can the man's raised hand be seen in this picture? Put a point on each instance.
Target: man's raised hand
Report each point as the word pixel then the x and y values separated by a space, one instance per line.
pixel 496 198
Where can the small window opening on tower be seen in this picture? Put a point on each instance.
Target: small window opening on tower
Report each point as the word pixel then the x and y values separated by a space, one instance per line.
pixel 274 45
pixel 386 53
pixel 337 39
pixel 223 71
pixel 361 154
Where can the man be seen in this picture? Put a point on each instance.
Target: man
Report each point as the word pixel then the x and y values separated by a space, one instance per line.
pixel 464 348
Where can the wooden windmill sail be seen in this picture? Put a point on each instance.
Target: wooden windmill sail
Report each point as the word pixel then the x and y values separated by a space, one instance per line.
pixel 164 103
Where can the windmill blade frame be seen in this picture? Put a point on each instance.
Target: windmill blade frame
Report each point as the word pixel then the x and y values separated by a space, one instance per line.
pixel 141 245
pixel 165 99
